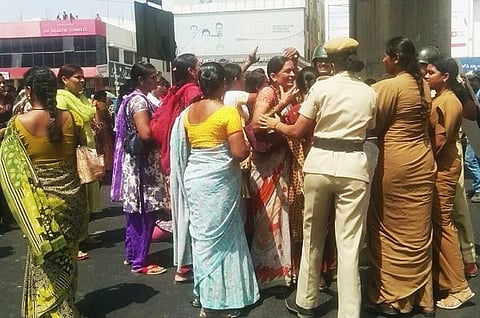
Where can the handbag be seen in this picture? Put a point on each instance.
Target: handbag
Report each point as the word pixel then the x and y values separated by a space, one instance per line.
pixel 134 145
pixel 90 165
pixel 262 140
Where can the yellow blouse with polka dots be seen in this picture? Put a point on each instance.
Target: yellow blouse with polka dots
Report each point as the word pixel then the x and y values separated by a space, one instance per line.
pixel 215 130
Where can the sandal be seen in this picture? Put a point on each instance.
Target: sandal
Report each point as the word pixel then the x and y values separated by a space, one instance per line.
pixel 82 256
pixel 209 313
pixel 150 270
pixel 455 300
pixel 196 302
pixel 184 277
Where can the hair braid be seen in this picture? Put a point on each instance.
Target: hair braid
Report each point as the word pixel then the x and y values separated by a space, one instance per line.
pixel 43 84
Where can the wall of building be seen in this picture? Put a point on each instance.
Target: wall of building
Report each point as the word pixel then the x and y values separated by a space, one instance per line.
pixel 372 22
pixel 228 29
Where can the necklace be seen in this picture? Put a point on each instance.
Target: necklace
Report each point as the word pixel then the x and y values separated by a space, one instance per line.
pixel 38 108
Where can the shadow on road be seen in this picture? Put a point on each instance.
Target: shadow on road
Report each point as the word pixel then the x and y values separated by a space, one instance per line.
pixel 99 303
pixel 6 251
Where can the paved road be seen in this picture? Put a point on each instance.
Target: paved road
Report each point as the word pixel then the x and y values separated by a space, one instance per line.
pixel 108 289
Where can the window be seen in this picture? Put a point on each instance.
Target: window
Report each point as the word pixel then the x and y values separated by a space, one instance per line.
pixel 6 60
pixel 57 45
pixel 26 59
pixel 17 45
pixel 90 43
pixel 7 46
pixel 47 44
pixel 102 55
pixel 37 45
pixel 38 59
pixel 69 58
pixel 68 43
pixel 58 59
pixel 79 43
pixel 113 54
pixel 80 58
pixel 129 57
pixel 48 59
pixel 91 59
pixel 26 45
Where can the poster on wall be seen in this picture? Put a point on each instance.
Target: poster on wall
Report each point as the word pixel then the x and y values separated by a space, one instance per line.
pixel 238 33
pixel 461 36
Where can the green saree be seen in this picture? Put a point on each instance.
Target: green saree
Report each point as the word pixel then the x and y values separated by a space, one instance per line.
pixel 48 203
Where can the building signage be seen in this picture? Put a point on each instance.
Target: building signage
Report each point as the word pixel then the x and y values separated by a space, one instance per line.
pixel 72 28
pixel 218 33
pixel 470 63
pixel 119 71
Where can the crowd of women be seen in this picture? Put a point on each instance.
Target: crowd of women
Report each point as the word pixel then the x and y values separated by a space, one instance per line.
pixel 266 180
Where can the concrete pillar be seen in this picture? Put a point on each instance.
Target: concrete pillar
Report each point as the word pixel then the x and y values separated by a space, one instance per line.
pixel 372 22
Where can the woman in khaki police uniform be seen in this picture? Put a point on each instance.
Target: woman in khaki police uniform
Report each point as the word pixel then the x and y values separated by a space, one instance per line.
pixel 340 110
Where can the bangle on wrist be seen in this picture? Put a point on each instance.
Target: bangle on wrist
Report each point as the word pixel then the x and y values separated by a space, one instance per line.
pixel 276 124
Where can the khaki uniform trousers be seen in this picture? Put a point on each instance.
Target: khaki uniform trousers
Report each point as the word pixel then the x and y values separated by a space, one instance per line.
pixel 350 200
pixel 462 219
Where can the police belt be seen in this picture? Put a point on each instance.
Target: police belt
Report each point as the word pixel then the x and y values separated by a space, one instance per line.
pixel 338 144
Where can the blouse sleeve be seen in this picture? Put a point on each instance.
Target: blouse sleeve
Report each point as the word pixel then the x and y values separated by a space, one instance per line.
pixel 233 121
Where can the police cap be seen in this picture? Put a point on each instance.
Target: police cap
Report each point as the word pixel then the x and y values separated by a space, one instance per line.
pixel 342 45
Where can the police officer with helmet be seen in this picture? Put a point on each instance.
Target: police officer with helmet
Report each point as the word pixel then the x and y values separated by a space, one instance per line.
pixel 321 62
pixel 425 55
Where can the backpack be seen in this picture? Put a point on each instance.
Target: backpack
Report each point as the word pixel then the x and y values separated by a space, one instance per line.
pixel 174 102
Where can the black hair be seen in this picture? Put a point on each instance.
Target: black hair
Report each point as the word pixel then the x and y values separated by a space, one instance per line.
pixel 403 49
pixel 450 66
pixel 43 85
pixel 180 67
pixel 276 64
pixel 162 81
pixel 447 65
pixel 232 73
pixel 141 70
pixel 101 96
pixel 211 78
pixel 254 80
pixel 67 70
pixel 306 78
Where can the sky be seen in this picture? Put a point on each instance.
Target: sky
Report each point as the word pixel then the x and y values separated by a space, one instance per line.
pixel 24 10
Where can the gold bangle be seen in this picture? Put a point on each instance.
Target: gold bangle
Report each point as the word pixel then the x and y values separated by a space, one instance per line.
pixel 275 126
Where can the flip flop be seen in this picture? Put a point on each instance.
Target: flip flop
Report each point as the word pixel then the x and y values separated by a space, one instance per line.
pixel 82 256
pixel 150 270
pixel 454 301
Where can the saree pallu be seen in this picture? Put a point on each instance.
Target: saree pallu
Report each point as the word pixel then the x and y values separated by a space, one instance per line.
pixel 49 205
pixel 223 271
pixel 179 152
pixel 271 243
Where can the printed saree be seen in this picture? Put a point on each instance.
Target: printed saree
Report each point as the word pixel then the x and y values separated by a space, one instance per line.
pixel 49 205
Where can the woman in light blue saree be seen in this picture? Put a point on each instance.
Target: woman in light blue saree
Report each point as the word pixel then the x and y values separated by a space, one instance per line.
pixel 206 147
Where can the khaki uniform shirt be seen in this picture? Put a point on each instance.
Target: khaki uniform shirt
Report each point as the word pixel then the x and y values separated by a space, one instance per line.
pixel 344 108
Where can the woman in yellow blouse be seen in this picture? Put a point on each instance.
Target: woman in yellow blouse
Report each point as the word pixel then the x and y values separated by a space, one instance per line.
pixel 207 146
pixel 41 185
